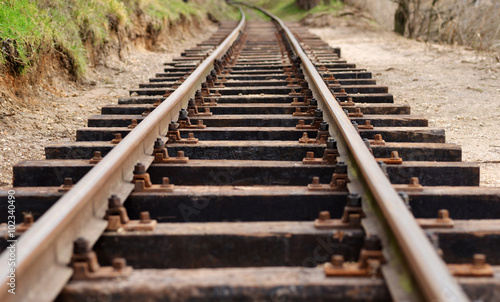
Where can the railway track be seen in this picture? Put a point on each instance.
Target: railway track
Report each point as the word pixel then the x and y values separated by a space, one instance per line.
pixel 260 166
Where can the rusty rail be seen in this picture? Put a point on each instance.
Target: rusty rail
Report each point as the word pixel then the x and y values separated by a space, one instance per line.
pixel 44 251
pixel 435 283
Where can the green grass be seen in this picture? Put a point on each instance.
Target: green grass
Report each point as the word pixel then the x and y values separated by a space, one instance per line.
pixel 23 27
pixel 34 27
pixel 289 11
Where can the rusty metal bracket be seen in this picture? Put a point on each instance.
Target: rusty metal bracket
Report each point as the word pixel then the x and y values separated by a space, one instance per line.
pixel 118 219
pixel 295 101
pixel 143 183
pixel 368 265
pixel 351 217
pixel 97 158
pixel 324 222
pixel 67 185
pixel 443 220
pixel 161 154
pixel 348 102
pixel 310 159
pixel 393 160
pixel 357 113
pixel 141 186
pixel 413 186
pixel 367 125
pixel 187 125
pixel 117 139
pixel 86 267
pixel 193 109
pixel 185 121
pixel 174 136
pixel 478 268
pixel 378 141
pixel 338 183
pixel 133 124
pixel 200 96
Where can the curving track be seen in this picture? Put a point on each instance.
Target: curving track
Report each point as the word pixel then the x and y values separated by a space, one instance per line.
pixel 268 179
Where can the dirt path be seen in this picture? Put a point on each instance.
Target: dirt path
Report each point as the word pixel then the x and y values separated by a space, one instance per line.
pixel 56 115
pixel 456 89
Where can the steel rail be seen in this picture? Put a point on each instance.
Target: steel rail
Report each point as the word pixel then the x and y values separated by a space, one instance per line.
pixel 44 251
pixel 429 270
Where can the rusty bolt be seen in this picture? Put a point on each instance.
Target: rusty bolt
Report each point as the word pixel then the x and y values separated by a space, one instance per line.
pixel 81 246
pixel 414 181
pixel 478 260
pixel 133 123
pixel 302 122
pixel 323 126
pixel 378 137
pixel 180 153
pixel 183 114
pixel 139 169
pixel 68 181
pixel 342 90
pixel 331 143
pixel 372 243
pixel 324 215
pixel 353 200
pixel 159 144
pixel 28 219
pixel 315 180
pixel 114 202
pixel 191 135
pixel 394 155
pixel 200 123
pixel 118 138
pixel 337 261
pixel 145 217
pixel 368 123
pixel 309 154
pixel 173 126
pixel 119 263
pixel 341 168
pixel 304 135
pixel 443 214
pixel 97 155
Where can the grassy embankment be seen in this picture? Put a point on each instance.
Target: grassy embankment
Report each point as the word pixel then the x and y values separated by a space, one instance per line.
pixel 29 29
pixel 288 10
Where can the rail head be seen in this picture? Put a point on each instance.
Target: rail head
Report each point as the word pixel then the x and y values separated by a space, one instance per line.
pixel 430 272
pixel 44 251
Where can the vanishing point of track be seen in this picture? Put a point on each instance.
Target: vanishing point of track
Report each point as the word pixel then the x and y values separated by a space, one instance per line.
pixel 259 166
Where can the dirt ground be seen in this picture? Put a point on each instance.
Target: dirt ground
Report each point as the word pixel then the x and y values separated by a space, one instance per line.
pixel 455 88
pixel 56 114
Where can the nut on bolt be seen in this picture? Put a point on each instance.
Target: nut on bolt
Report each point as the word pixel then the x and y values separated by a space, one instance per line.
pixel 324 215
